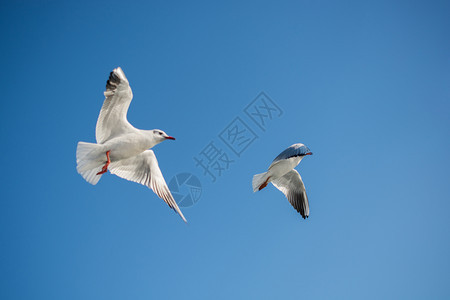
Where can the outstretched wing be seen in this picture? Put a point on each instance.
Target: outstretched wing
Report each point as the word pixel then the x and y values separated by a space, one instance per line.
pixel 292 186
pixel 112 120
pixel 144 169
pixel 293 151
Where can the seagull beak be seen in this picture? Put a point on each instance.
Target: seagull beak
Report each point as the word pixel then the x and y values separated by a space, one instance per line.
pixel 309 153
pixel 170 138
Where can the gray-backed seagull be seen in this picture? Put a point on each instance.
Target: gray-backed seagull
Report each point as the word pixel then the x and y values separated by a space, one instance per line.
pixel 120 147
pixel 285 178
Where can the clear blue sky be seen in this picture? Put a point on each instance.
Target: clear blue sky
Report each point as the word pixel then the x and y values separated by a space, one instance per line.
pixel 365 85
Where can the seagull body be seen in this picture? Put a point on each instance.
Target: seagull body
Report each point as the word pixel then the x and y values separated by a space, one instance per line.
pixel 120 147
pixel 285 178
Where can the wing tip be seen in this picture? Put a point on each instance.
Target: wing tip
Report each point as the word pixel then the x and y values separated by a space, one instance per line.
pixel 178 211
pixel 115 77
pixel 119 73
pixel 184 219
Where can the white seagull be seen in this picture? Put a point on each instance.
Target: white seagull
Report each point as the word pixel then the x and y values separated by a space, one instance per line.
pixel 121 147
pixel 285 178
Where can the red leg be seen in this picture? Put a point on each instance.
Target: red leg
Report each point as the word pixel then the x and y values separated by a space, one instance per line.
pixel 264 184
pixel 105 167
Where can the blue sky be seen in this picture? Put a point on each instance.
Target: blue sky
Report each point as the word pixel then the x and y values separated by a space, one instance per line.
pixel 365 85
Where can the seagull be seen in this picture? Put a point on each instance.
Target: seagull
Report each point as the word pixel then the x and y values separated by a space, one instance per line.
pixel 120 147
pixel 285 178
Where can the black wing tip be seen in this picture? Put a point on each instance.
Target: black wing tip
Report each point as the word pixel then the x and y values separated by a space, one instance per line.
pixel 301 210
pixel 302 213
pixel 112 82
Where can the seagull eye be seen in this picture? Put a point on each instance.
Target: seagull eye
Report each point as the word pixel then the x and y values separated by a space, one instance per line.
pixel 160 133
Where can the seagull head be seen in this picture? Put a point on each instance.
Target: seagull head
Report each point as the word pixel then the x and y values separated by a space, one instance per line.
pixel 160 136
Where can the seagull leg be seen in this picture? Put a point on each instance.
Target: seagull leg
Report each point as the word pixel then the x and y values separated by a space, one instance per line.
pixel 105 167
pixel 264 184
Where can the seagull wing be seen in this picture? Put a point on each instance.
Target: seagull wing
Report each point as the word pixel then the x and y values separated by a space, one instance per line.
pixel 112 120
pixel 293 151
pixel 292 186
pixel 144 169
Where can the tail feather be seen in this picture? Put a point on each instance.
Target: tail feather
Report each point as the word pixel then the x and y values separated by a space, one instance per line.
pixel 260 181
pixel 88 164
pixel 91 175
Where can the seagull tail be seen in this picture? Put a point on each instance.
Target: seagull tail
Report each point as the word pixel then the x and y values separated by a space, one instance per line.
pixel 88 164
pixel 260 181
